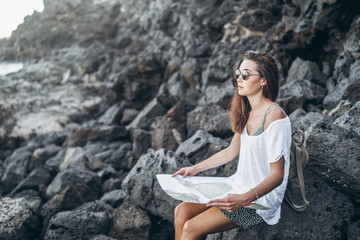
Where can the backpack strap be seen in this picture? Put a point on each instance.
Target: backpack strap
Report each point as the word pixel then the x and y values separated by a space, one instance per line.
pixel 299 169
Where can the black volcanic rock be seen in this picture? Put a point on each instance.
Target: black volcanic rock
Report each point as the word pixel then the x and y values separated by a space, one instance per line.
pixel 104 81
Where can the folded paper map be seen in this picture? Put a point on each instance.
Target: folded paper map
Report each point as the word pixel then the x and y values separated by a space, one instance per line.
pixel 200 189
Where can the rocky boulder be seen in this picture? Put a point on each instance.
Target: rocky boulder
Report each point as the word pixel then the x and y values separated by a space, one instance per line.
pixel 212 118
pixel 136 224
pixel 141 184
pixel 200 146
pixel 71 197
pixel 332 219
pixel 18 219
pixel 72 177
pixel 84 222
pixel 327 145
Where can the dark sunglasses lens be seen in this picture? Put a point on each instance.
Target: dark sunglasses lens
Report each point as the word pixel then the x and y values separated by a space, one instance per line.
pixel 237 74
pixel 244 75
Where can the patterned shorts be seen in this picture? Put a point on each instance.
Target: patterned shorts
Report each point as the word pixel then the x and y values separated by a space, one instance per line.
pixel 244 217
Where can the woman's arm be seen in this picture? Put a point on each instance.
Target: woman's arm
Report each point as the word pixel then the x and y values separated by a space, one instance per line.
pixel 233 202
pixel 218 159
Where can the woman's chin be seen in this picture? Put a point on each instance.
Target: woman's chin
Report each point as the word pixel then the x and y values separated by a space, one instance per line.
pixel 240 92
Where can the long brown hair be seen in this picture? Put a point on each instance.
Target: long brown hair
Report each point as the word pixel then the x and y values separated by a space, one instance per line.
pixel 240 106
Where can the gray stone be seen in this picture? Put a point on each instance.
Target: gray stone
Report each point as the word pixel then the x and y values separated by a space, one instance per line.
pixel 29 193
pixel 343 64
pixel 148 62
pixel 111 184
pixel 305 70
pixel 68 199
pixel 130 52
pixel 355 69
pixel 200 146
pixel 116 154
pixel 141 143
pixel 170 130
pixel 18 221
pixel 102 237
pixel 354 230
pixel 136 224
pixel 310 120
pixel 352 92
pixel 327 144
pixel 7 112
pixel 72 177
pixel 165 96
pixel 340 109
pixel 329 217
pixel 351 119
pixel 40 155
pixel 217 72
pixel 128 115
pixel 191 73
pixel 177 86
pixel 166 133
pixel 220 95
pixel 74 158
pixel 144 119
pixel 39 123
pixel 352 43
pixel 114 198
pixel 112 115
pixel 106 172
pixel 297 93
pixel 16 168
pixel 142 187
pixel 173 65
pixel 211 118
pixel 97 133
pixel 333 98
pixel 295 117
pixel 40 176
pixel 54 162
pixel 258 20
pixel 84 222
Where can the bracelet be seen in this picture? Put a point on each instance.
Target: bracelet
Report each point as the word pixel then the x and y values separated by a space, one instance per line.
pixel 257 196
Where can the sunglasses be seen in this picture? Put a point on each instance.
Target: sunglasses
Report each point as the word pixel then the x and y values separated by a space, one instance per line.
pixel 244 74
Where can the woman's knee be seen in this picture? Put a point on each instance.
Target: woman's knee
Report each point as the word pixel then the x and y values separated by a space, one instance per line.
pixel 190 230
pixel 180 213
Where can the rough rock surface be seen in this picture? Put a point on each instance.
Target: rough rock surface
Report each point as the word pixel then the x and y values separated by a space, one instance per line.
pixel 18 221
pixel 332 144
pixel 104 81
pixel 136 224
pixel 83 222
pixel 141 184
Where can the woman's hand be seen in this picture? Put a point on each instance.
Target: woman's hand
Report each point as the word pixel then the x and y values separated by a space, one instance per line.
pixel 187 171
pixel 231 202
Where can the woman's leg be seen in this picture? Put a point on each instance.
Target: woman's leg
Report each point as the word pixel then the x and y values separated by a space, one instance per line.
pixel 210 221
pixel 184 212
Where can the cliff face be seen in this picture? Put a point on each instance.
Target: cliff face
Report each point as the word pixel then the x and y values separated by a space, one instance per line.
pixel 105 80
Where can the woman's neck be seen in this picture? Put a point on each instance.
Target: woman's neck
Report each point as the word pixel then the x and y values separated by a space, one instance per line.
pixel 257 103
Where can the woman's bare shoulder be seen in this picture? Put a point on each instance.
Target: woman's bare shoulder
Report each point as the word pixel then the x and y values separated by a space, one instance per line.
pixel 276 113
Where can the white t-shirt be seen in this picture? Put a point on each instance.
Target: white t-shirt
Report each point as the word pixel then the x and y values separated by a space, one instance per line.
pixel 256 154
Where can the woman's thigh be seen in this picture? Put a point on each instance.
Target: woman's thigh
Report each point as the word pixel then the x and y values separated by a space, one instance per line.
pixel 210 221
pixel 185 211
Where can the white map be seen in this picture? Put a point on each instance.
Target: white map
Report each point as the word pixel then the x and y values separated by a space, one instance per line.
pixel 200 189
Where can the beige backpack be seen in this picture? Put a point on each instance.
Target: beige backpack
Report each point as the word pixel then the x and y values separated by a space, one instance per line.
pixel 299 158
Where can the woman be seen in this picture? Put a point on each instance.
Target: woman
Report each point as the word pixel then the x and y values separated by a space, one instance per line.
pixel 262 141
